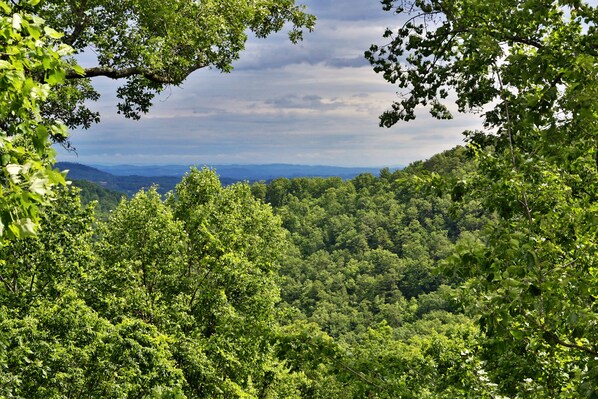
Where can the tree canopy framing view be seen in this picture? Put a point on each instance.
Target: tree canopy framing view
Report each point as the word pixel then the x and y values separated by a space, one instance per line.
pixel 473 274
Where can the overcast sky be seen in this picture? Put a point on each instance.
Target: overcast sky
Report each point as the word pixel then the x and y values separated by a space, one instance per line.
pixel 315 103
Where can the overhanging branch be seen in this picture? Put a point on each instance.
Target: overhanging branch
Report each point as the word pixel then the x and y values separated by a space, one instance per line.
pixel 121 73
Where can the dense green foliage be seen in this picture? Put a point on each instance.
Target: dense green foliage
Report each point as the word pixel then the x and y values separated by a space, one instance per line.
pixel 105 200
pixel 208 294
pixel 532 67
pixel 361 281
pixel 205 294
pixel 54 344
pixel 172 299
pixel 30 65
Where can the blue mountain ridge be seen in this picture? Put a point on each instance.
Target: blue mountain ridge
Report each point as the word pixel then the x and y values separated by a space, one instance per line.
pixel 243 172
pixel 131 178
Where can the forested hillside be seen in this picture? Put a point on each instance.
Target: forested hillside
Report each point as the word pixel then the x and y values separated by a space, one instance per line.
pixel 300 288
pixel 363 278
pixel 332 291
pixel 104 200
pixel 128 185
pixel 131 179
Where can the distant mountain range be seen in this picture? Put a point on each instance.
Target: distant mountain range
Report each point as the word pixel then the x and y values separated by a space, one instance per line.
pixel 124 184
pixel 241 172
pixel 131 178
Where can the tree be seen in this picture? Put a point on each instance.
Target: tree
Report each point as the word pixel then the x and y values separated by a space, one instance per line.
pixel 62 348
pixel 530 66
pixel 151 44
pixel 31 64
pixel 53 343
pixel 200 267
pixel 141 261
pixel 43 266
pixel 229 285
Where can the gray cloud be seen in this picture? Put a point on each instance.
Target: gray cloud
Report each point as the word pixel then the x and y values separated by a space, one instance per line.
pixel 346 10
pixel 344 30
pixel 314 103
pixel 356 62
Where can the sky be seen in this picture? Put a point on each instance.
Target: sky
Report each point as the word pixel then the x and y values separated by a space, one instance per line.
pixel 314 103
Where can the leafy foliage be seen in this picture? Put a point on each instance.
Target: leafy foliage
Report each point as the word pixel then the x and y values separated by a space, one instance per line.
pixel 104 200
pixel 201 268
pixel 366 314
pixel 180 298
pixel 31 64
pixel 53 344
pixel 332 290
pixel 531 66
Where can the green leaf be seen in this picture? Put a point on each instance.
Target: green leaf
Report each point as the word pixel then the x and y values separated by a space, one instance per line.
pixel 78 69
pixel 52 33
pixel 56 77
pixel 518 334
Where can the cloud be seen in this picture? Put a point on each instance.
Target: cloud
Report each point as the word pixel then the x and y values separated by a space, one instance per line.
pixel 314 103
pixel 346 10
pixel 294 101
pixel 339 40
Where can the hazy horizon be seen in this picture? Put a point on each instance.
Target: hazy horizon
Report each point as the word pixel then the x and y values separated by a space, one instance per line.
pixel 238 164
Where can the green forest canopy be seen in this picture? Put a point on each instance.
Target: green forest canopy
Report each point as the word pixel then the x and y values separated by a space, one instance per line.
pixel 212 293
pixel 473 274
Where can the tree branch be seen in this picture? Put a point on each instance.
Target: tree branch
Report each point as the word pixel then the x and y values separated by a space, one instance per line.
pixel 116 73
pixel 359 375
pixel 6 284
pixel 566 344
pixel 552 338
pixel 524 40
pixel 80 25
